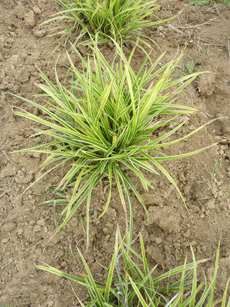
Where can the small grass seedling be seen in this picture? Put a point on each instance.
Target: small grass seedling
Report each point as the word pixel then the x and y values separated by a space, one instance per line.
pixel 60 199
pixel 214 170
pixel 189 67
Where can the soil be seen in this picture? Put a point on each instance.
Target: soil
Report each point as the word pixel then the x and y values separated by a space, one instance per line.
pixel 204 179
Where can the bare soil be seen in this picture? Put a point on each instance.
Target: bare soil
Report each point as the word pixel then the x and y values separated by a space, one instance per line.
pixel 204 180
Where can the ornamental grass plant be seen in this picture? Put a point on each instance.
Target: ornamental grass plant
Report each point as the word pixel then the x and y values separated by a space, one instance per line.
pixel 130 282
pixel 121 20
pixel 106 126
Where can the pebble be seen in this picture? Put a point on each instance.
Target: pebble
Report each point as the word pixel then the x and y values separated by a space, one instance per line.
pixel 32 223
pixel 20 231
pixel 211 204
pixel 158 240
pixel 22 178
pixel 64 60
pixel 36 10
pixel 204 248
pixel 19 10
pixel 13 34
pixel 9 170
pixel 30 19
pixel 40 33
pixel 107 237
pixel 21 76
pixel 106 230
pixel 37 228
pixel 187 233
pixel 63 264
pixel 8 227
pixel 177 245
pixel 50 303
pixel 41 222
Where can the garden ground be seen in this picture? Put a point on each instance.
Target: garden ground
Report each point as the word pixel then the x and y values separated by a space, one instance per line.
pixel 204 180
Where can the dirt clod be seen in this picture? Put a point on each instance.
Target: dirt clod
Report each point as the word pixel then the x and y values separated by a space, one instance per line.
pixel 30 19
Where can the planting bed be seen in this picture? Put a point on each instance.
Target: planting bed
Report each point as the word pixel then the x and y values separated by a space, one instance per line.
pixel 204 179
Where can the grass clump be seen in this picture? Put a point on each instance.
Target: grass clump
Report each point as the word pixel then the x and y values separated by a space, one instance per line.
pixel 130 282
pixel 121 20
pixel 207 2
pixel 106 126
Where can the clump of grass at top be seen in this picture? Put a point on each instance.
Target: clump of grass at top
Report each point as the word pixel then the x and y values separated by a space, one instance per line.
pixel 130 283
pixel 207 2
pixel 106 125
pixel 121 20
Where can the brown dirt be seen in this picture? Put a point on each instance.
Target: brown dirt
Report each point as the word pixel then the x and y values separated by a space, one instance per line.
pixel 25 229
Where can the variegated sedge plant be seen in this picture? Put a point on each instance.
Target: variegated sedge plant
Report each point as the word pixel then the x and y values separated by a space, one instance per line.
pixel 130 282
pixel 121 20
pixel 107 121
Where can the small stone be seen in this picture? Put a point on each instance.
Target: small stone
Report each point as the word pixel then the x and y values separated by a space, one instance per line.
pixel 207 84
pixel 36 10
pixel 30 19
pixel 158 240
pixel 4 241
pixel 22 178
pixel 106 230
pixel 195 209
pixel 32 223
pixel 203 248
pixel 83 49
pixel 111 213
pixel 63 60
pixel 8 227
pixel 13 34
pixel 63 264
pixel 227 153
pixel 14 59
pixel 37 228
pixel 19 10
pixel 221 152
pixel 22 76
pixel 187 234
pixel 39 33
pixel 35 154
pixel 177 245
pixel 41 222
pixel 50 303
pixel 20 231
pixel 210 204
pixel 9 170
pixel 225 251
pixel 107 237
